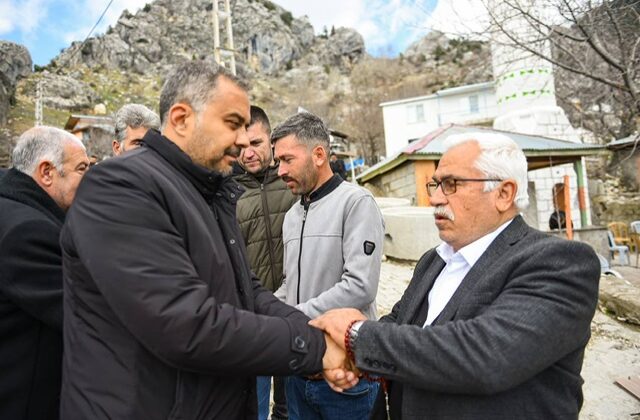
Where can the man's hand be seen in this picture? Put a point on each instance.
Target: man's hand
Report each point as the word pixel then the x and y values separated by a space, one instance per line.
pixel 336 321
pixel 338 370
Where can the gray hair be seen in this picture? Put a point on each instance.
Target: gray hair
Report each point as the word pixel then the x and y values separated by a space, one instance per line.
pixel 134 116
pixel 42 143
pixel 500 157
pixel 308 129
pixel 193 83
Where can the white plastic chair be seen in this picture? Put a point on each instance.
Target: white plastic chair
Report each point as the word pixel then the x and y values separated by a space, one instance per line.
pixel 623 250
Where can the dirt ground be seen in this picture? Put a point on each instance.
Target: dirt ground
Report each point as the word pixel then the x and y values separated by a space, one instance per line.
pixel 614 351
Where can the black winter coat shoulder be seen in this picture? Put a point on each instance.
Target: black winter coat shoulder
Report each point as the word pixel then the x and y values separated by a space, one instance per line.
pixel 30 300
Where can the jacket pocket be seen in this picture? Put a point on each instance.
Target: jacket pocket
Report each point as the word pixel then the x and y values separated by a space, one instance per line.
pixel 176 410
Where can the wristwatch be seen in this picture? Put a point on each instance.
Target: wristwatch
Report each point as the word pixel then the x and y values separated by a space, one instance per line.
pixel 353 334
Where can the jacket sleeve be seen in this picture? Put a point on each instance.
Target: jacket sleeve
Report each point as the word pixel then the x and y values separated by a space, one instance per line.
pixel 266 303
pixel 542 314
pixel 32 270
pixel 144 273
pixel 358 285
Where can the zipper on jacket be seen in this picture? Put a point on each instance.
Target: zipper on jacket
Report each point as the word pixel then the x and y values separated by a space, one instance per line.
pixel 267 223
pixel 304 219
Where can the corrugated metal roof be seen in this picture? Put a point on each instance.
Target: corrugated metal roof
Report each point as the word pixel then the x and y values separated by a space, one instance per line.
pixel 624 142
pixel 431 145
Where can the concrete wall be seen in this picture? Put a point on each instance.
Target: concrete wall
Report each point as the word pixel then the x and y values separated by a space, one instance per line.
pixel 409 232
pixel 594 236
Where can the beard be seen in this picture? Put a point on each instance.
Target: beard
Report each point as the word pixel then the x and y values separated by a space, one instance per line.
pixel 197 150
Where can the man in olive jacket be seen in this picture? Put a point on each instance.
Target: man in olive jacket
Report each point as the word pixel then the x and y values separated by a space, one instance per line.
pixel 163 319
pixel 260 212
pixel 262 206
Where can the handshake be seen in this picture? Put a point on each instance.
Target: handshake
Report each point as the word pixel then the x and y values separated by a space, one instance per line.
pixel 339 370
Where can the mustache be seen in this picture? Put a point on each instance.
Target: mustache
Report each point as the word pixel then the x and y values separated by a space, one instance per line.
pixel 287 178
pixel 444 212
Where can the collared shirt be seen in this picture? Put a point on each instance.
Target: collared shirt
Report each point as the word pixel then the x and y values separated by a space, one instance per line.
pixel 457 266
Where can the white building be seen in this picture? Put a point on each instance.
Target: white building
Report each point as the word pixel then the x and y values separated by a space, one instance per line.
pixel 407 120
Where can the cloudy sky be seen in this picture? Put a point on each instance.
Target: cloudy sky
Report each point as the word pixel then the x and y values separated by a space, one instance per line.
pixel 388 26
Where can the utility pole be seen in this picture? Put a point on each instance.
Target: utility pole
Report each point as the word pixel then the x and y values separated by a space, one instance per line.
pixel 39 103
pixel 227 52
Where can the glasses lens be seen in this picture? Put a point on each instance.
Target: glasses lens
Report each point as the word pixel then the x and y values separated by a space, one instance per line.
pixel 449 186
pixel 431 188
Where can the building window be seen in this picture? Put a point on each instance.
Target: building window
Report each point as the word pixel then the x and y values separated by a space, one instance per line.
pixel 473 104
pixel 415 113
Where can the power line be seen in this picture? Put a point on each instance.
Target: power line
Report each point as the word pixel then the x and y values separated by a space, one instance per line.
pixel 85 39
pixel 41 82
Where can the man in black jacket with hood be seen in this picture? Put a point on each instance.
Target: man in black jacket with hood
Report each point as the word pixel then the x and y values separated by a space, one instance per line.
pixel 34 195
pixel 163 318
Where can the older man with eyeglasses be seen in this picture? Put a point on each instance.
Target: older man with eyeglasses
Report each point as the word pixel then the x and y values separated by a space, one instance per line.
pixel 495 320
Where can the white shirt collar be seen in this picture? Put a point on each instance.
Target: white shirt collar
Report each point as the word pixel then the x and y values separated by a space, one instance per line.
pixel 472 252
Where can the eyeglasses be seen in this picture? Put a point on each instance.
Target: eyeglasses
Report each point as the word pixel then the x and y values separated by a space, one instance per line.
pixel 449 185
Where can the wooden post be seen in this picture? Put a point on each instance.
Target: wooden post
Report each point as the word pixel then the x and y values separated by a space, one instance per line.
pixel 582 199
pixel 567 207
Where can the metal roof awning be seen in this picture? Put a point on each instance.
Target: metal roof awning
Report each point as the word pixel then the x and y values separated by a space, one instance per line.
pixel 78 122
pixel 540 151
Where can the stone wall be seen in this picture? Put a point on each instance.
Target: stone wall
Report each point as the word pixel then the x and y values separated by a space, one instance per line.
pixel 399 182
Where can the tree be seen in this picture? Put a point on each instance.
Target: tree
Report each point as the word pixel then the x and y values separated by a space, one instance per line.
pixel 372 81
pixel 594 47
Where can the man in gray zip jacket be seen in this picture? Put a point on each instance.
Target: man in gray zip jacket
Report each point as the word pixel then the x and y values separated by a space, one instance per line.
pixel 332 255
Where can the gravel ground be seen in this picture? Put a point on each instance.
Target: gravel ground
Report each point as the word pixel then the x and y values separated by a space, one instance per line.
pixel 614 351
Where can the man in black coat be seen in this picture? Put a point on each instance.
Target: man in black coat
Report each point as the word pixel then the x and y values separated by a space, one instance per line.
pixel 163 318
pixel 34 195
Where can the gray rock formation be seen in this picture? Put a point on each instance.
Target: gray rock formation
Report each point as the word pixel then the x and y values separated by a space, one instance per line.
pixel 340 50
pixel 64 92
pixel 427 47
pixel 15 63
pixel 267 38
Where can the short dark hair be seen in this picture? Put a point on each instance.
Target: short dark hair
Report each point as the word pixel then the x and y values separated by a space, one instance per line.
pixel 307 128
pixel 259 116
pixel 192 82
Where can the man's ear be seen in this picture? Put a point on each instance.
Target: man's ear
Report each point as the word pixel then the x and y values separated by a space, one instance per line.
pixel 44 173
pixel 115 145
pixel 506 195
pixel 181 118
pixel 319 155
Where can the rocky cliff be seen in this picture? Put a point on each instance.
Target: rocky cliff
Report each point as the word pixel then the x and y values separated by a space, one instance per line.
pixel 286 63
pixel 15 63
pixel 267 37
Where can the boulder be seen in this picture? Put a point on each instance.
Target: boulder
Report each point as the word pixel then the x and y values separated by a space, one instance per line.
pixel 64 92
pixel 15 63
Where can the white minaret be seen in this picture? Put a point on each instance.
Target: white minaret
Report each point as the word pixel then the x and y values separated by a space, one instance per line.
pixel 525 93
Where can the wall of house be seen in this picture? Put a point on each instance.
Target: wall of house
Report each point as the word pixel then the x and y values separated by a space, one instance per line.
pixel 413 119
pixel 399 182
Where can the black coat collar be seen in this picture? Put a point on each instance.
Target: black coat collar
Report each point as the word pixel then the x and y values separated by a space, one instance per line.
pixel 207 182
pixel 324 190
pixel 22 188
